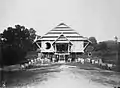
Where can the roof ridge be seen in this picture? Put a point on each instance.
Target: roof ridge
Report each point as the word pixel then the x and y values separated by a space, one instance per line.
pixel 62 25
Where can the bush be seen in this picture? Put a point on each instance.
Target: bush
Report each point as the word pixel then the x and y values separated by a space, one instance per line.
pixel 13 55
pixel 16 43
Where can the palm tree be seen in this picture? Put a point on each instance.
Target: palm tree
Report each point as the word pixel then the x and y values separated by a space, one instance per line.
pixel 116 38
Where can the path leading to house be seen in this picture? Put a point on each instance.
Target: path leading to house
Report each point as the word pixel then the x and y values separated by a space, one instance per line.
pixel 66 76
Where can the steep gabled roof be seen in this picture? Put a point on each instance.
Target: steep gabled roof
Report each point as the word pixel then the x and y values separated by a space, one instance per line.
pixel 62 29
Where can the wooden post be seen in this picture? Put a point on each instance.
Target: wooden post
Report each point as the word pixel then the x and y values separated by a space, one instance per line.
pixel 55 48
pixel 68 48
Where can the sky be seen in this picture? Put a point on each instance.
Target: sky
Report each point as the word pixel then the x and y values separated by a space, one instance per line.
pixel 97 18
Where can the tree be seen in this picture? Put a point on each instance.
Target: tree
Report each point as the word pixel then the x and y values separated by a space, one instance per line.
pixel 92 45
pixel 101 46
pixel 0 51
pixel 32 34
pixel 89 48
pixel 93 40
pixel 33 38
pixel 17 42
pixel 101 50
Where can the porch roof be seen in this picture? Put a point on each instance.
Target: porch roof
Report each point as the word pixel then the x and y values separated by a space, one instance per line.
pixel 62 39
pixel 62 42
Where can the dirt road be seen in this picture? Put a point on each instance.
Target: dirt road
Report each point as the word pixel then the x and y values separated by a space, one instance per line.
pixel 64 76
pixel 68 78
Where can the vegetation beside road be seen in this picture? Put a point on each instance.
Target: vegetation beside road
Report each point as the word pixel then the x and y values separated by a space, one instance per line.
pixel 15 42
pixel 108 51
pixel 96 74
pixel 21 78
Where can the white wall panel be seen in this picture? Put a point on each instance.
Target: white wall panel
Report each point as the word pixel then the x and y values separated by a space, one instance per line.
pixel 77 46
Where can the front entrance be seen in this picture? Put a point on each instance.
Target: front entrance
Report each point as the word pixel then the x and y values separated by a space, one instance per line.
pixel 62 51
pixel 62 48
pixel 61 58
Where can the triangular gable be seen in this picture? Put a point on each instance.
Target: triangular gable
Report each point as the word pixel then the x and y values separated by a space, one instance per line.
pixel 62 39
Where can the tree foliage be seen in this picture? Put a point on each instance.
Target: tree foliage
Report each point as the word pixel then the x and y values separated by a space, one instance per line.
pixel 101 49
pixel 93 40
pixel 101 46
pixel 89 48
pixel 32 34
pixel 17 42
pixel 92 45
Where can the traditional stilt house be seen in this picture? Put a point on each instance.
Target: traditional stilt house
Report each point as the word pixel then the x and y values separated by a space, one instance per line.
pixel 62 42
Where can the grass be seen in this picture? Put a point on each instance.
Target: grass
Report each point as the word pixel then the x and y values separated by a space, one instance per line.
pixel 20 78
pixel 111 78
pixel 86 66
pixel 97 74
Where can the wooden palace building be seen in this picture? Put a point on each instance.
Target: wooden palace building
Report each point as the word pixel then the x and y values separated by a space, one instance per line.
pixel 62 42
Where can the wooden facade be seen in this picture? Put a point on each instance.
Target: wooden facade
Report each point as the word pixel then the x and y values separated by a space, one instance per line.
pixel 62 42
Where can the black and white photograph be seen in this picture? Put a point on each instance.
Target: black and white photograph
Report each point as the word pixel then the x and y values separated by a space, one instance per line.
pixel 59 43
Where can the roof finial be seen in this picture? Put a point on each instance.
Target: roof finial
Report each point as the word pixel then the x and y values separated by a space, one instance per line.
pixel 62 25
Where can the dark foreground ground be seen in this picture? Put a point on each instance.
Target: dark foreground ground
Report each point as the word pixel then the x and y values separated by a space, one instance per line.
pixel 69 75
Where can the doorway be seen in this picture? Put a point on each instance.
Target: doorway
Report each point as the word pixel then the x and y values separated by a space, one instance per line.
pixel 61 58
